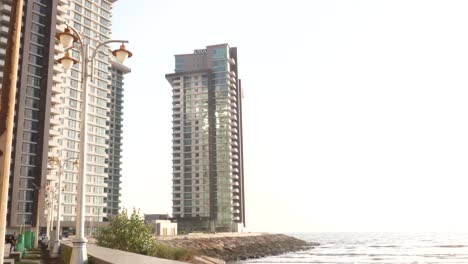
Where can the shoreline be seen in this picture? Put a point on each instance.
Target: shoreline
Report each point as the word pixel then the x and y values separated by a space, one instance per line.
pixel 231 247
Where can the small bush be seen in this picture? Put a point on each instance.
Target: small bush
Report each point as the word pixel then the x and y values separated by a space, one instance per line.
pixel 170 252
pixel 131 234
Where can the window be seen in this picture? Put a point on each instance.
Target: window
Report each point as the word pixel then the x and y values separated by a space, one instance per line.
pixel 38 19
pixel 32 92
pixel 77 27
pixel 35 59
pixel 29 148
pixel 33 103
pixel 78 8
pixel 35 70
pixel 77 17
pixel 32 114
pixel 31 125
pixel 27 171
pixel 87 22
pixel 25 207
pixel 34 81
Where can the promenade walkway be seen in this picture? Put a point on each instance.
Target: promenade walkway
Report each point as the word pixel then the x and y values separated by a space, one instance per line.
pixel 103 255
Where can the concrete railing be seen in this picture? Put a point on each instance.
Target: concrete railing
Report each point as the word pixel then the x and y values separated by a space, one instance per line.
pixel 102 255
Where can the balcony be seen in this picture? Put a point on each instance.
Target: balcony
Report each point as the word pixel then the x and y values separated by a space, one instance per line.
pixel 234 143
pixel 4 29
pixel 57 69
pixel 5 19
pixel 235 150
pixel 61 19
pixel 56 90
pixel 56 79
pixel 54 133
pixel 3 41
pixel 61 10
pixel 55 100
pixel 53 143
pixel 54 111
pixel 54 122
pixel 6 8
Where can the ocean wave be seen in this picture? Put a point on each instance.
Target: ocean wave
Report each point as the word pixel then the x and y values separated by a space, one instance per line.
pixel 451 246
pixel 384 246
pixel 388 248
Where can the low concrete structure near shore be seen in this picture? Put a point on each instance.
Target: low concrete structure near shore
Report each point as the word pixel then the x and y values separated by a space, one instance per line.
pixel 165 228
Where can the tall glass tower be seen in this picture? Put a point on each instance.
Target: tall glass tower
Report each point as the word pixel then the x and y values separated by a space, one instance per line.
pixel 208 177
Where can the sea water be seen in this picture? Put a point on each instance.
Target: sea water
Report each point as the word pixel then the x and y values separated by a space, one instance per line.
pixel 360 248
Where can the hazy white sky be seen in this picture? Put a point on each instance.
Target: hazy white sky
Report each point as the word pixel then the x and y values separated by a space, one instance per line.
pixel 355 112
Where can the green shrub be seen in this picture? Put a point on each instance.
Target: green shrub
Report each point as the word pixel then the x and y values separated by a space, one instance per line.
pixel 126 233
pixel 170 252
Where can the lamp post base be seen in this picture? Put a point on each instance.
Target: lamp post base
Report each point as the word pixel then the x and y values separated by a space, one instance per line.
pixel 55 252
pixel 79 253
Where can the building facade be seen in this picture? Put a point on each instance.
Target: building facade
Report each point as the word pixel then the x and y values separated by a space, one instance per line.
pixel 208 176
pixel 115 139
pixel 48 108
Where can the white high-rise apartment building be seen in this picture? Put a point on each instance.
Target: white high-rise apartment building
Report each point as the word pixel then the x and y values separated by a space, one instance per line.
pixel 48 113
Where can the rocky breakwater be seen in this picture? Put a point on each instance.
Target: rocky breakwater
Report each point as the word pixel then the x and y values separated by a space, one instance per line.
pixel 232 247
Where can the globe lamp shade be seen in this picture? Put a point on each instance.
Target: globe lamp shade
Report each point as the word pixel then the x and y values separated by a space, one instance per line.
pixel 122 54
pixel 67 61
pixel 66 38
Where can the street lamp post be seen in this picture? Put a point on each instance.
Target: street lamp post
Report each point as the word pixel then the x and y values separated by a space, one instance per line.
pixel 50 193
pixel 67 40
pixel 52 208
pixel 61 163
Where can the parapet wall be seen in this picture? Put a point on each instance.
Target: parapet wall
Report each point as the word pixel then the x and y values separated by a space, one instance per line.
pixel 101 255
